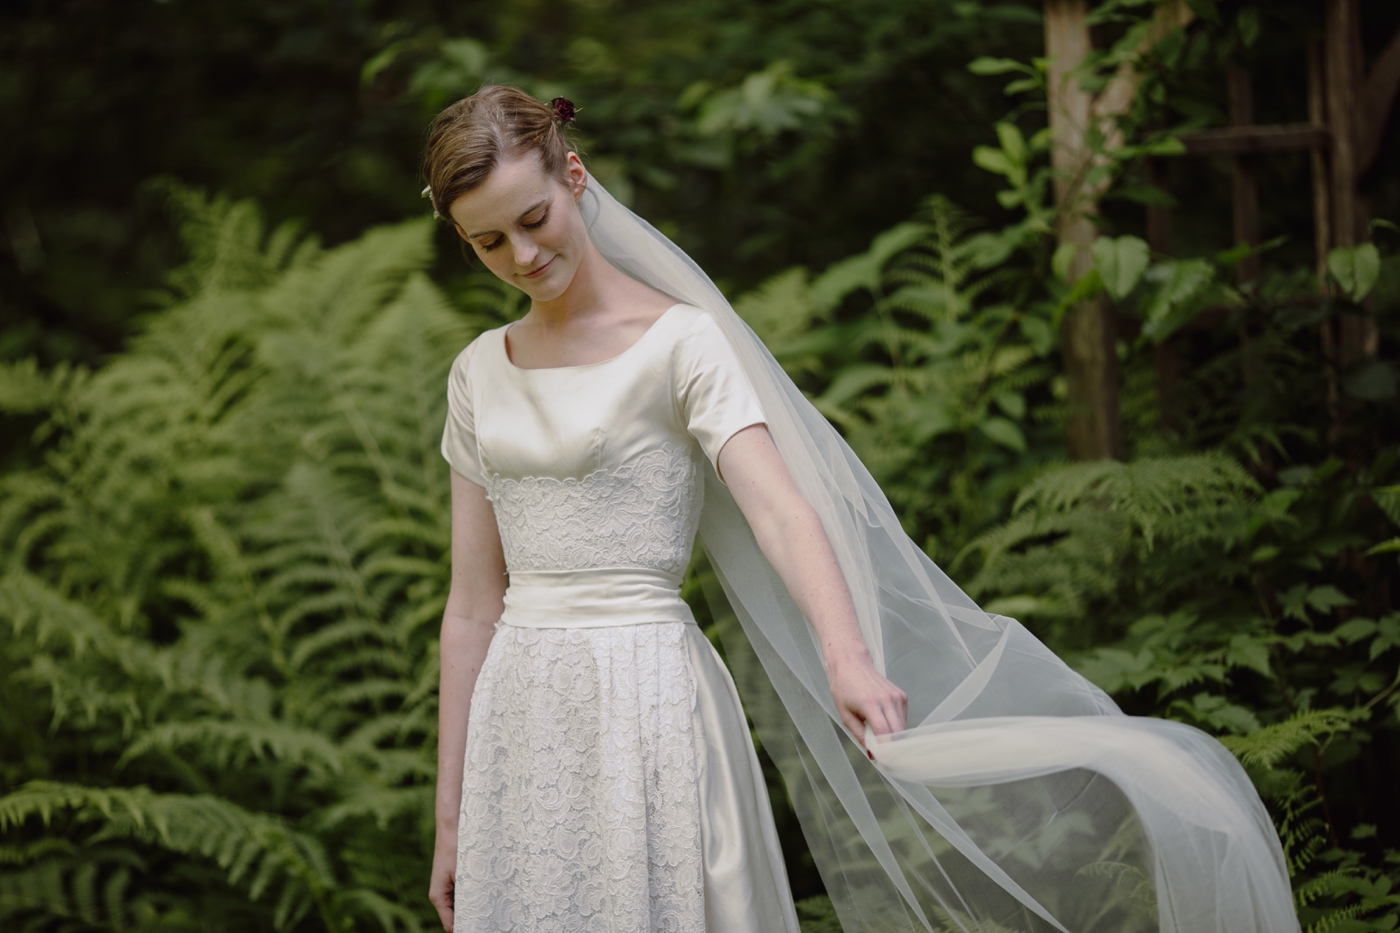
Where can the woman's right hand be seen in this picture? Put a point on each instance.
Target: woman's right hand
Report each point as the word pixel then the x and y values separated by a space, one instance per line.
pixel 444 880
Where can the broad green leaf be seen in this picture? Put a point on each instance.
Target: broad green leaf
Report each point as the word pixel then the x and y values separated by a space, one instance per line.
pixel 1353 630
pixel 1355 268
pixel 986 65
pixel 1248 23
pixel 1004 432
pixel 993 160
pixel 1370 380
pixel 1327 597
pixel 1062 260
pixel 1385 547
pixel 1013 144
pixel 1121 262
pixel 1013 403
pixel 1388 498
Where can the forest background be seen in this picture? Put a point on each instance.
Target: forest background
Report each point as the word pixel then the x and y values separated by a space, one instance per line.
pixel 227 323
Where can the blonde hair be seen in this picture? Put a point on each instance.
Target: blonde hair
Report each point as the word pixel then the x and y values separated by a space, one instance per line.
pixel 472 136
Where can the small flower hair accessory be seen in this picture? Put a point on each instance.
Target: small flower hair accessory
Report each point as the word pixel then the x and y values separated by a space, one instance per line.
pixel 428 193
pixel 563 109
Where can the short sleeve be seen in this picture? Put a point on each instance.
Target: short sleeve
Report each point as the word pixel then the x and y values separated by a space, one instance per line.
pixel 716 398
pixel 459 434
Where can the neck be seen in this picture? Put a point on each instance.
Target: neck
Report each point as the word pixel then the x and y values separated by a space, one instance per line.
pixel 594 288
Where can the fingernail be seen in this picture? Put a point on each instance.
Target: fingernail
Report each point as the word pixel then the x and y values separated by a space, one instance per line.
pixel 869 754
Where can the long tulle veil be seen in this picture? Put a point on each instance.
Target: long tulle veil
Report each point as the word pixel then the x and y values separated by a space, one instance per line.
pixel 1020 798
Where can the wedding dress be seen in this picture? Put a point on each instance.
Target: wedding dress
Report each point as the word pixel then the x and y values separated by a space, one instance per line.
pixel 610 781
pixel 1019 799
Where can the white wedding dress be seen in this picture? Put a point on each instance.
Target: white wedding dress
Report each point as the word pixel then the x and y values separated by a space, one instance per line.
pixel 610 781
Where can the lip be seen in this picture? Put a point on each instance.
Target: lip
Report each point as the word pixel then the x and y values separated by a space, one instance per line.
pixel 538 272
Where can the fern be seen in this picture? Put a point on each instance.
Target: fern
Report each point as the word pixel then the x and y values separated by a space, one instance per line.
pixel 1268 746
pixel 220 590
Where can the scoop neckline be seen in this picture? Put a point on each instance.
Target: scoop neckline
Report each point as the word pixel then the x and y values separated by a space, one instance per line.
pixel 505 353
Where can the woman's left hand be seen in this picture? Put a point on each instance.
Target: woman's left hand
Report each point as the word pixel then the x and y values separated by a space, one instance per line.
pixel 864 697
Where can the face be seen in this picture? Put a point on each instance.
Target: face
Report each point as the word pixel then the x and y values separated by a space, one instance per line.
pixel 525 225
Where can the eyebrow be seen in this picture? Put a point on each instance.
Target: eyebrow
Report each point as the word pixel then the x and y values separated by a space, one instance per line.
pixel 523 214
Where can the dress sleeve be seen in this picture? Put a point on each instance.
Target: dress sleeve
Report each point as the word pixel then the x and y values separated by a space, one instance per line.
pixel 716 398
pixel 459 435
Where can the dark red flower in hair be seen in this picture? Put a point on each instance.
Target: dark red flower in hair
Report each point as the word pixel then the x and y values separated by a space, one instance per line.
pixel 563 109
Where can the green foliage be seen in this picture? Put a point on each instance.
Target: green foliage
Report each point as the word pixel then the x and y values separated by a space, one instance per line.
pixel 220 576
pixel 219 596
pixel 935 378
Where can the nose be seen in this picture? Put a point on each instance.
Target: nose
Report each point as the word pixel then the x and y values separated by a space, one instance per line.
pixel 525 252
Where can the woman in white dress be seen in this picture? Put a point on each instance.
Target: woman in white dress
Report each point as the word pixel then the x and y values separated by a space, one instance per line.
pixel 595 772
pixel 595 769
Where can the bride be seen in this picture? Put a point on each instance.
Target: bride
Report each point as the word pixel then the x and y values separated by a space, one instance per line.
pixel 595 771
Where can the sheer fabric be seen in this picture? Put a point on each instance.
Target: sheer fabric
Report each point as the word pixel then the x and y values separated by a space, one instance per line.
pixel 1020 798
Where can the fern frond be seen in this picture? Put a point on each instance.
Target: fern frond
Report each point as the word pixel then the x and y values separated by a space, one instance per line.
pixel 1268 746
pixel 228 744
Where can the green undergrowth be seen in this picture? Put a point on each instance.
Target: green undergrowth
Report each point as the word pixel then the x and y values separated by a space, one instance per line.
pixel 219 590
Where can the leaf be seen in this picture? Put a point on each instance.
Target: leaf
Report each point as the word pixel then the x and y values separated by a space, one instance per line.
pixel 1063 259
pixel 1327 597
pixel 1388 498
pixel 1120 262
pixel 23 389
pixel 864 270
pixel 1013 403
pixel 993 160
pixel 1268 746
pixel 1385 547
pixel 1248 25
pixel 987 65
pixel 1038 334
pixel 1013 144
pixel 1355 268
pixel 1370 380
pixel 1003 432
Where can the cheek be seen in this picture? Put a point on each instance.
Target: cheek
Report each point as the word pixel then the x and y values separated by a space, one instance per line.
pixel 565 232
pixel 497 260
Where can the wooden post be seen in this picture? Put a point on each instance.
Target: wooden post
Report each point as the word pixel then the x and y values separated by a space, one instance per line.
pixel 1322 232
pixel 1321 179
pixel 1244 190
pixel 1093 429
pixel 1244 184
pixel 1342 71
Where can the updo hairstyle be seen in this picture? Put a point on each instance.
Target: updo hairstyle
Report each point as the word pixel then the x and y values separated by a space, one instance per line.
pixel 471 137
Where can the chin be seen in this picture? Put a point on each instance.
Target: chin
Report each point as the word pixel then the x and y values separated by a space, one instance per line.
pixel 554 284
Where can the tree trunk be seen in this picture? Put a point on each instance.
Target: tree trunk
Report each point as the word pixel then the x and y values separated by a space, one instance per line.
pixel 1343 70
pixel 1093 431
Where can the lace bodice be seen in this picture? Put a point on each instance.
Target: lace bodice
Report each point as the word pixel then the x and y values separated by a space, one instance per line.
pixel 641 514
pixel 599 466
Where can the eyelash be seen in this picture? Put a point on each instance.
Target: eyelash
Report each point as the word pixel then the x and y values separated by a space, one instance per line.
pixel 534 226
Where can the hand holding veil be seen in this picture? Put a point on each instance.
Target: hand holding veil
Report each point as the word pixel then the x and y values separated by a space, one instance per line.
pixel 1020 798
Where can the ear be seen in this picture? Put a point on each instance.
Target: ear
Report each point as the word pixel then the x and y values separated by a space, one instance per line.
pixel 576 175
pixel 460 232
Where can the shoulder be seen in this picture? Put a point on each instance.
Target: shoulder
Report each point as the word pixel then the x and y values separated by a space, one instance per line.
pixel 694 332
pixel 480 347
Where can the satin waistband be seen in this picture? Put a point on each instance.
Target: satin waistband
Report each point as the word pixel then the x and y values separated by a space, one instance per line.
pixel 595 598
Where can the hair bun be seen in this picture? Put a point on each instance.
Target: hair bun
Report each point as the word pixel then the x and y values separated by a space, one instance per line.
pixel 563 109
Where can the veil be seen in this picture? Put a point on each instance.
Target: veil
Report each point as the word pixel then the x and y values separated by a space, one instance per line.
pixel 1019 798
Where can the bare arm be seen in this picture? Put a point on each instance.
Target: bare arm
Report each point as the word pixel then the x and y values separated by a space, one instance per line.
pixel 795 543
pixel 474 604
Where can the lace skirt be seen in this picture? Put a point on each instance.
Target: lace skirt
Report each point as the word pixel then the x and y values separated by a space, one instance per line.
pixel 610 785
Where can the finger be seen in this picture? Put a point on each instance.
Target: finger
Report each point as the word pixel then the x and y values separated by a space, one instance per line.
pixel 888 717
pixel 879 719
pixel 856 725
